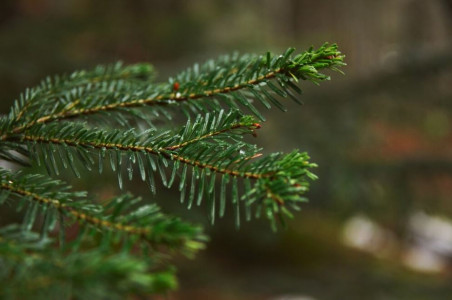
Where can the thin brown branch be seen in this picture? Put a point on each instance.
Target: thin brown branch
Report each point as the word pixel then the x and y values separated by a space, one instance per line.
pixel 135 148
pixel 158 100
pixel 208 135
pixel 81 216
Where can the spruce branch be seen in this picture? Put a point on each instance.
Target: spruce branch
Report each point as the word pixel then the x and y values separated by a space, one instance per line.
pixel 34 270
pixel 176 146
pixel 66 90
pixel 51 198
pixel 223 79
pixel 88 119
pixel 199 145
pixel 63 94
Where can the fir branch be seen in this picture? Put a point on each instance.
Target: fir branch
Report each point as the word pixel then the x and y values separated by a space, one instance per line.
pixel 101 142
pixel 278 178
pixel 79 215
pixel 43 128
pixel 245 73
pixel 34 270
pixel 239 125
pixel 52 196
pixel 214 128
pixel 63 94
pixel 82 83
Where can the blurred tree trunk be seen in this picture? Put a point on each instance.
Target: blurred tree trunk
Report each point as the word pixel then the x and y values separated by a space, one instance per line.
pixel 448 9
pixel 294 28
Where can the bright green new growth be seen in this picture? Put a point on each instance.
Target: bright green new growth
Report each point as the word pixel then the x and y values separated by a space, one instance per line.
pixel 117 117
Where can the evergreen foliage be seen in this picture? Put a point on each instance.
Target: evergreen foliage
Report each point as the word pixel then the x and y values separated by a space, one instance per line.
pixel 118 117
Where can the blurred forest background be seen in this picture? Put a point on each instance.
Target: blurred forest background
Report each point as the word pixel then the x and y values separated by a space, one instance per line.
pixel 379 221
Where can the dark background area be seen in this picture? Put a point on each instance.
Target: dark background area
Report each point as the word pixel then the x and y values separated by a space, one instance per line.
pixel 378 225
